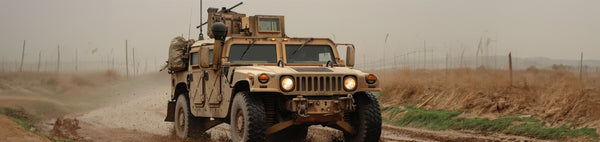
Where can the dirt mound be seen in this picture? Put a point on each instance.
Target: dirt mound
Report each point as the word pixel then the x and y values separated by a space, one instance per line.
pixel 66 129
pixel 556 96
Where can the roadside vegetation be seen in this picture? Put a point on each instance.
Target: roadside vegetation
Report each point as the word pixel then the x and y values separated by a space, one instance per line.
pixel 450 120
pixel 26 120
pixel 19 117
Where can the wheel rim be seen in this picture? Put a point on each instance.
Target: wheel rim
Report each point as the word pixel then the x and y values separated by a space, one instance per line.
pixel 180 120
pixel 239 124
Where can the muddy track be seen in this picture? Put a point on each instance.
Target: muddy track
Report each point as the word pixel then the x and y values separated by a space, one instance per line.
pixel 137 114
pixel 142 120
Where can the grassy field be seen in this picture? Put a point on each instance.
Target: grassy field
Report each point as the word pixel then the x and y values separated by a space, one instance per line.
pixel 450 120
pixel 546 104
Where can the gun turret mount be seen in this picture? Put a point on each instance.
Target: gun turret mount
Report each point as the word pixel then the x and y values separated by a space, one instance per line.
pixel 240 25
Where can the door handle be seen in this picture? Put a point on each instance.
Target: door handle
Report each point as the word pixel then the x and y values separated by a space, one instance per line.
pixel 205 76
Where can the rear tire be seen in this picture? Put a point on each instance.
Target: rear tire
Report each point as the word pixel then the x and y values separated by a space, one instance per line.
pixel 247 119
pixel 366 120
pixel 185 124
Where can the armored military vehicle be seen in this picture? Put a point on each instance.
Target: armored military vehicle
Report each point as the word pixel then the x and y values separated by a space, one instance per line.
pixel 266 85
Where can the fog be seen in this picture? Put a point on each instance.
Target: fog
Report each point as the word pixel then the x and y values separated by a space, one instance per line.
pixel 98 29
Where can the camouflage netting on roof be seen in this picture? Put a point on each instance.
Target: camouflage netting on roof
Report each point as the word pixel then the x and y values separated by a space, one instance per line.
pixel 178 54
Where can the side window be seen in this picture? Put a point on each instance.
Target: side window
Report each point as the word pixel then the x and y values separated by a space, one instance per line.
pixel 195 58
pixel 210 57
pixel 268 24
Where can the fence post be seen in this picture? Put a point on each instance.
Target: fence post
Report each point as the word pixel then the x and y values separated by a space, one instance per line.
pixel 39 61
pixel 134 65
pixel 76 62
pixel 581 67
pixel 510 67
pixel 126 60
pixel 22 57
pixel 424 54
pixel 58 61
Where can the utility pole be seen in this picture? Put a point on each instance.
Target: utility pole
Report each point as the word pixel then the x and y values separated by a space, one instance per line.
pixel 126 60
pixel 22 57
pixel 39 61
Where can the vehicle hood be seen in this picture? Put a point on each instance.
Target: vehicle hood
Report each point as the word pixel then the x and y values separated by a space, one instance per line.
pixel 290 70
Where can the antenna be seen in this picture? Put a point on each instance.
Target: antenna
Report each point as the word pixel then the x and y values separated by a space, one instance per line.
pixel 190 25
pixel 200 36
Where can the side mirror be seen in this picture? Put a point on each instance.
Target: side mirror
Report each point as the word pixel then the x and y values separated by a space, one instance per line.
pixel 350 56
pixel 204 57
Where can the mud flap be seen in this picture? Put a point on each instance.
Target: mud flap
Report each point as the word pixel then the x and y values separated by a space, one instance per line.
pixel 170 111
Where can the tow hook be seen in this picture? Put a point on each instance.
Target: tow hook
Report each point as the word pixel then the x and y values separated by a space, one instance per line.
pixel 302 112
pixel 351 97
pixel 302 106
pixel 348 103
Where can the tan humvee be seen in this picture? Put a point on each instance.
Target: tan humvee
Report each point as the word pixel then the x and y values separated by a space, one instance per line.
pixel 270 87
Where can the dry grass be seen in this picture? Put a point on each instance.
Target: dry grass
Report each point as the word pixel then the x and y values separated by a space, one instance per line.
pixel 51 94
pixel 555 96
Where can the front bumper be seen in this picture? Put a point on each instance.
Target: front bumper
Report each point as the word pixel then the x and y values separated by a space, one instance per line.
pixel 305 107
pixel 328 111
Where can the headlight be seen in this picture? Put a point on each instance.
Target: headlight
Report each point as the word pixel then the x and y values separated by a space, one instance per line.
pixel 371 79
pixel 349 83
pixel 287 83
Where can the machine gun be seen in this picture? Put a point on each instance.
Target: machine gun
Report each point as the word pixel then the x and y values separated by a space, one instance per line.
pixel 227 10
pixel 212 10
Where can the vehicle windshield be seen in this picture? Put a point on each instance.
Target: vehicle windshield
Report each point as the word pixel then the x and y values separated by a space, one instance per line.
pixel 254 54
pixel 308 54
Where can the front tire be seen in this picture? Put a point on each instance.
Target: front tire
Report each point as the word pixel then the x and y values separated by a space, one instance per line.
pixel 366 120
pixel 185 123
pixel 247 118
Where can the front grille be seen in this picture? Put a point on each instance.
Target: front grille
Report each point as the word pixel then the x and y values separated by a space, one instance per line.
pixel 323 84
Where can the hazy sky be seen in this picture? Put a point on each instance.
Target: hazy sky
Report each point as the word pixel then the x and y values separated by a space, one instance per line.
pixel 530 28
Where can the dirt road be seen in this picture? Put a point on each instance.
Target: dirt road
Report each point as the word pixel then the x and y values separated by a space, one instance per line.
pixel 137 115
pixel 12 132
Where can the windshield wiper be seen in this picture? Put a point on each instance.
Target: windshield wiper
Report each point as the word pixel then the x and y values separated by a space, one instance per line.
pixel 248 48
pixel 296 51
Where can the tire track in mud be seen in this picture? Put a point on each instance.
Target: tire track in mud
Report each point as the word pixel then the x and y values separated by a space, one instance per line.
pixel 391 133
pixel 137 114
